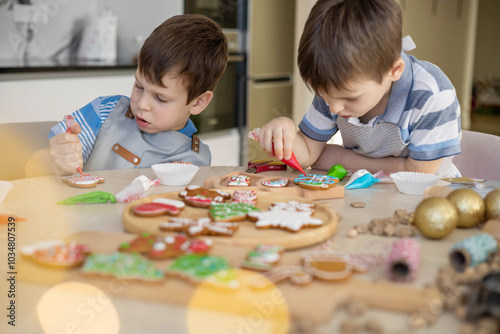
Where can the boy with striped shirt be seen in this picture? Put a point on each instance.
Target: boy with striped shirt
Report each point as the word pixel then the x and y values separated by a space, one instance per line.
pixel 179 66
pixel 394 112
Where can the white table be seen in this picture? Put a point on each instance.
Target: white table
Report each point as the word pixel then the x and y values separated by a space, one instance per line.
pixel 35 199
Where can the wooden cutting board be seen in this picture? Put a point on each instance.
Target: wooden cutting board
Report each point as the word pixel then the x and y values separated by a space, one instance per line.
pixel 314 302
pixel 247 235
pixel 220 182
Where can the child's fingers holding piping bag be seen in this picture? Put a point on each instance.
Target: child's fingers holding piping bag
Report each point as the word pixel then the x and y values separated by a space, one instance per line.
pixel 74 128
pixel 281 131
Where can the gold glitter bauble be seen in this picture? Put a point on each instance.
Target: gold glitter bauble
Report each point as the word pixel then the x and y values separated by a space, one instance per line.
pixel 436 217
pixel 492 203
pixel 470 207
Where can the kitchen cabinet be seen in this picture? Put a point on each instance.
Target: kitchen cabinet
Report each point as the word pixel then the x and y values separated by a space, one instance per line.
pixel 270 59
pixel 461 37
pixel 266 101
pixel 225 146
pixel 486 112
pixel 39 97
pixel 445 34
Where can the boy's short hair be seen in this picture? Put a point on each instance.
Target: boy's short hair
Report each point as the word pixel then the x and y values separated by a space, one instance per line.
pixel 191 46
pixel 346 40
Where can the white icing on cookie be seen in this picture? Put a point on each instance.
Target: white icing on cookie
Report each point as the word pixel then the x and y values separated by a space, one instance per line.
pixel 245 196
pixel 288 220
pixel 84 180
pixel 292 206
pixel 239 180
pixel 173 202
pixel 276 183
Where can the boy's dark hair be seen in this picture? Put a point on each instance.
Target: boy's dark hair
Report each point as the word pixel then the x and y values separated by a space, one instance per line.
pixel 191 46
pixel 346 40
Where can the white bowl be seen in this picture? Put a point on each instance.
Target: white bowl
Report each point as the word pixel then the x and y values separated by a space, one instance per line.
pixel 413 183
pixel 175 174
pixel 5 187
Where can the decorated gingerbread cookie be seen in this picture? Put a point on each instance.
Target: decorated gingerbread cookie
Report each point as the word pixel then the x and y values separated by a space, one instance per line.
pixel 202 197
pixel 159 206
pixel 161 247
pixel 245 196
pixel 263 257
pixel 197 268
pixel 239 181
pixel 85 181
pixel 274 182
pixel 123 266
pixel 228 212
pixel 315 181
pixel 57 253
pixel 201 226
pixel 330 265
pixel 293 206
pixel 296 274
pixel 291 221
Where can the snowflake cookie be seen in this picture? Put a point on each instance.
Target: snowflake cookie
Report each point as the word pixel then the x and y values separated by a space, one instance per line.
pixel 291 221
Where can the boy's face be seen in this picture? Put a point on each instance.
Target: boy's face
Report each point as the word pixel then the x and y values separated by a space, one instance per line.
pixel 360 98
pixel 158 109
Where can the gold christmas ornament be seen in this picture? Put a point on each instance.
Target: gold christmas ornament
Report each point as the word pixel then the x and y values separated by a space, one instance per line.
pixel 492 204
pixel 470 207
pixel 436 217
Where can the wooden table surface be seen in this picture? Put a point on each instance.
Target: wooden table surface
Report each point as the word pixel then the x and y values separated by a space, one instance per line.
pixel 35 199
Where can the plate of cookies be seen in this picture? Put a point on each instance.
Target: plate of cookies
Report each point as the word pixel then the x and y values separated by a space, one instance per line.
pixel 233 217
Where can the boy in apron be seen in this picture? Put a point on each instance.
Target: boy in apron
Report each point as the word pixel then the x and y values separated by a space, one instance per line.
pixel 394 112
pixel 179 66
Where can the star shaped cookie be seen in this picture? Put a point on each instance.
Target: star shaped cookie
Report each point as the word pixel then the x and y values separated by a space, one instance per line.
pixel 291 221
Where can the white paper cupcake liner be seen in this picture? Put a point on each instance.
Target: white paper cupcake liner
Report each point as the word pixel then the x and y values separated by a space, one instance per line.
pixel 414 183
pixel 175 174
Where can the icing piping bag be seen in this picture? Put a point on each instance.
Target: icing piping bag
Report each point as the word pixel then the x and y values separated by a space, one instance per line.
pixel 254 134
pixel 91 197
pixel 68 120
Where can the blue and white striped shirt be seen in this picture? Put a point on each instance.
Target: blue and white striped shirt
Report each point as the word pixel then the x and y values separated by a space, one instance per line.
pixel 91 117
pixel 422 106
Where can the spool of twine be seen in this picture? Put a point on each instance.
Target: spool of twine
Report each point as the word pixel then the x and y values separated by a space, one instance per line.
pixel 404 260
pixel 472 251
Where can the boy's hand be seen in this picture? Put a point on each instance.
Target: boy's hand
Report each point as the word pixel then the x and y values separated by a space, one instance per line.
pixel 66 151
pixel 282 132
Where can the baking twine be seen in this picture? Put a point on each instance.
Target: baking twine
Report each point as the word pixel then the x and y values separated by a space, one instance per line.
pixel 472 251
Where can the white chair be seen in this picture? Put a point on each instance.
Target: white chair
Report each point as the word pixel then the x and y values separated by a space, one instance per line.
pixel 480 157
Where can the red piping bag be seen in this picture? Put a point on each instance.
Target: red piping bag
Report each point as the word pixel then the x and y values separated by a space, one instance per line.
pixel 254 134
pixel 292 162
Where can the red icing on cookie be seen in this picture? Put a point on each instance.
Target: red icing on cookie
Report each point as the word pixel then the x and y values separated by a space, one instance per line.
pixel 69 254
pixel 155 209
pixel 161 247
pixel 202 197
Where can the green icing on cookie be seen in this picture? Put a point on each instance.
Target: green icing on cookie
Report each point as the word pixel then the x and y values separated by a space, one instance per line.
pixel 212 269
pixel 228 211
pixel 122 265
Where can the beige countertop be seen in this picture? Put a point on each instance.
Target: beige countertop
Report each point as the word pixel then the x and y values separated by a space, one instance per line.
pixel 35 199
